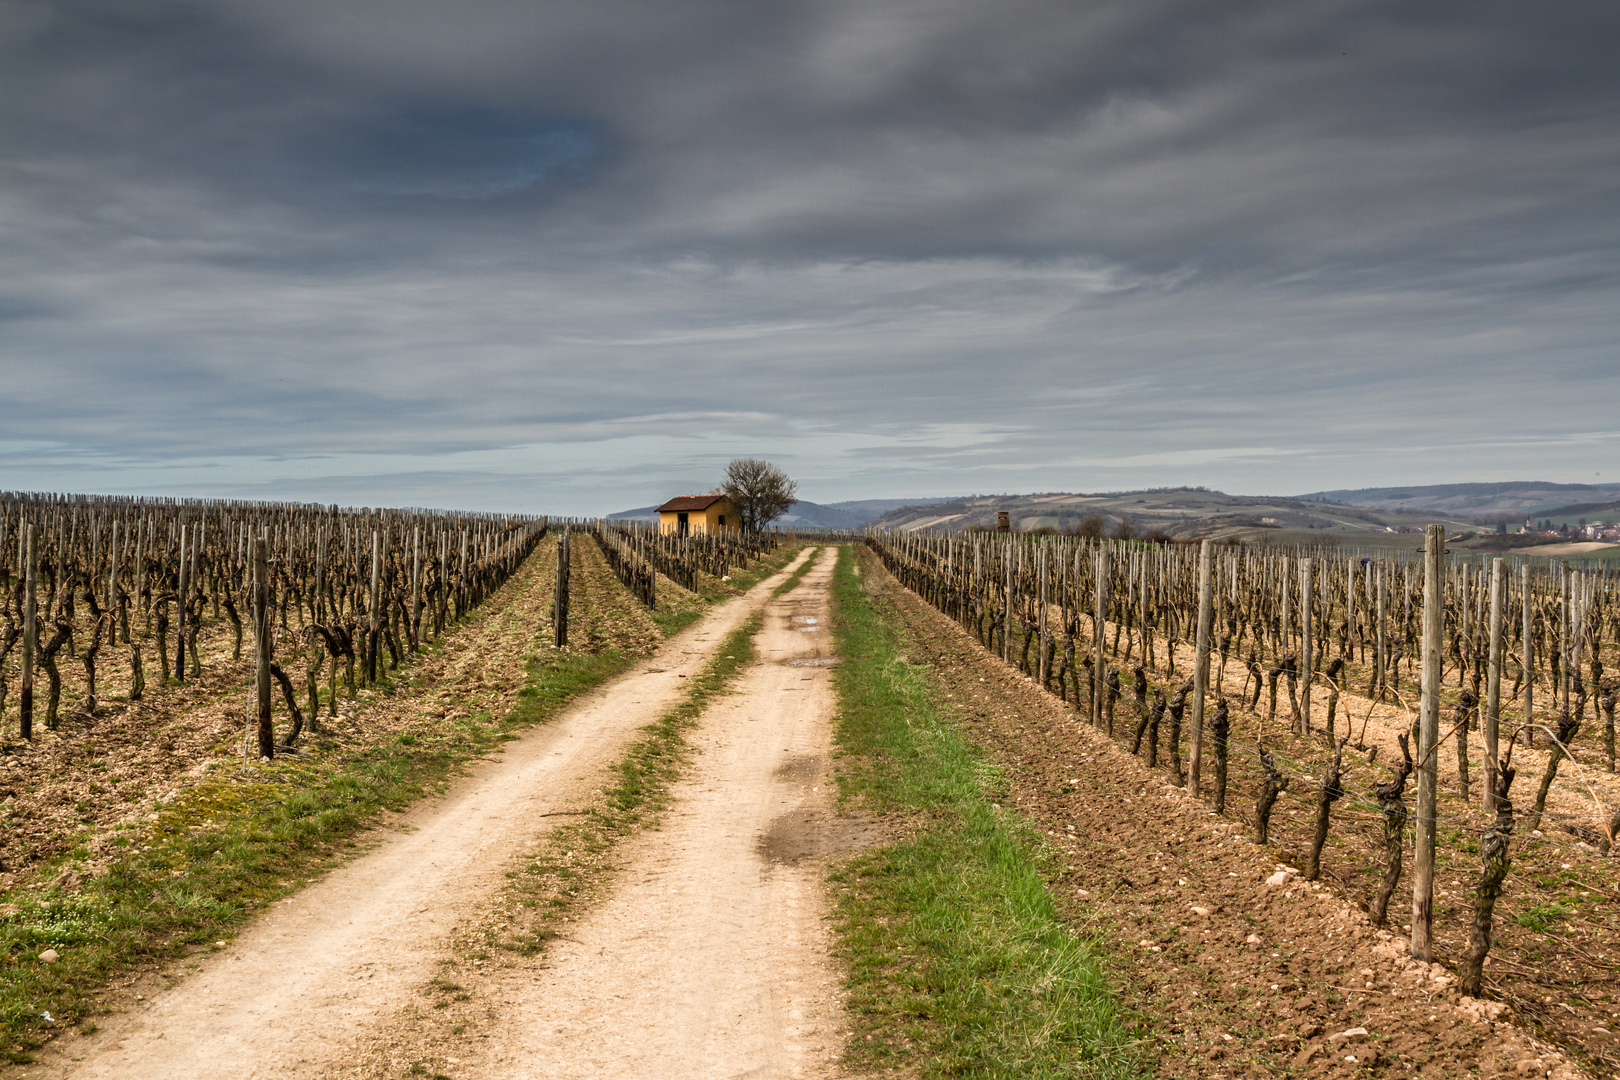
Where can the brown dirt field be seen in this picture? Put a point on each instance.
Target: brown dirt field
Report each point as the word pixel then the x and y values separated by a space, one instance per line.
pixel 1237 977
pixel 1583 547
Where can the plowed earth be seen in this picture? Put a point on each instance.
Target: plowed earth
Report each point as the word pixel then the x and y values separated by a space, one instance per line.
pixel 1235 977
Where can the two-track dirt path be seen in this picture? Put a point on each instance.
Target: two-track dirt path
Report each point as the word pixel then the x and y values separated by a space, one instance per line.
pixel 300 989
pixel 710 960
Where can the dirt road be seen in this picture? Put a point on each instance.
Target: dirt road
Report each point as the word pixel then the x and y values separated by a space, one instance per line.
pixel 710 960
pixel 300 989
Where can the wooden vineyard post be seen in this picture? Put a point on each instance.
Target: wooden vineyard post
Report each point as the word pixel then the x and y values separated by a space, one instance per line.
pixel 1428 752
pixel 261 646
pixel 197 540
pixel 559 608
pixel 180 634
pixel 1307 646
pixel 375 613
pixel 1561 692
pixel 1527 655
pixel 1099 676
pixel 30 630
pixel 461 578
pixel 1285 636
pixel 143 537
pixel 1379 673
pixel 1493 678
pixel 112 577
pixel 1006 606
pixel 1206 607
pixel 1041 660
pixel 416 586
pixel 317 584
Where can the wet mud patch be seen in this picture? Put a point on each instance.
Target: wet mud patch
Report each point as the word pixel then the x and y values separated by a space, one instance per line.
pixel 813 833
pixel 801 769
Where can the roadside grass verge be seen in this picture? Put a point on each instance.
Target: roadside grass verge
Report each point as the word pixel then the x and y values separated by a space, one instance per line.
pixel 959 964
pixel 679 607
pixel 231 844
pixel 573 867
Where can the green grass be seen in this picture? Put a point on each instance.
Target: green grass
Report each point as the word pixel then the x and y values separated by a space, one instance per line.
pixel 794 578
pixel 230 845
pixel 1542 917
pixel 572 868
pixel 671 622
pixel 959 963
pixel 714 589
pixel 676 613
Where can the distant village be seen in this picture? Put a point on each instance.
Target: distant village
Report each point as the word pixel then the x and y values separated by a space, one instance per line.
pixel 1585 530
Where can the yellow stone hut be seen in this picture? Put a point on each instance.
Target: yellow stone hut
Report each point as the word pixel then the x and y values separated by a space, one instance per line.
pixel 698 515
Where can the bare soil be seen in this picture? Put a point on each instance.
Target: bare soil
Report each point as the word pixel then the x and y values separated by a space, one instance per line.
pixel 1235 977
pixel 1579 547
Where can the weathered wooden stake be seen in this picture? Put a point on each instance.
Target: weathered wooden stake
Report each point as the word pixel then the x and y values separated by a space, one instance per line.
pixel 1428 770
pixel 1307 646
pixel 376 606
pixel 1527 654
pixel 30 630
pixel 1491 726
pixel 416 586
pixel 1206 609
pixel 1100 666
pixel 180 612
pixel 261 646
pixel 559 607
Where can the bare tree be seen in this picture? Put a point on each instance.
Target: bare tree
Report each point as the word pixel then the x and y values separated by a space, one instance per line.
pixel 759 490
pixel 1090 527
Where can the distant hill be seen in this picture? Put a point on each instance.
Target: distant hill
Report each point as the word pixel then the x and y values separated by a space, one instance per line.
pixel 640 513
pixel 809 515
pixel 1528 497
pixel 1364 515
pixel 1180 512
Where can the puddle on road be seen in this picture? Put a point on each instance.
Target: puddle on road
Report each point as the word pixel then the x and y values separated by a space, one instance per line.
pixel 807 624
pixel 818 661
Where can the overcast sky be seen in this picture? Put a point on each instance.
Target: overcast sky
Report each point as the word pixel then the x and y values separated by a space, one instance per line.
pixel 573 257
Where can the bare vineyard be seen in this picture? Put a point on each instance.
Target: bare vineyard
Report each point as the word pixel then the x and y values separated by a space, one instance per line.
pixel 639 553
pixel 122 590
pixel 1352 674
pixel 119 597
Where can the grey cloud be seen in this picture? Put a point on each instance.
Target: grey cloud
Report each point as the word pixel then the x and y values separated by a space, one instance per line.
pixel 1250 244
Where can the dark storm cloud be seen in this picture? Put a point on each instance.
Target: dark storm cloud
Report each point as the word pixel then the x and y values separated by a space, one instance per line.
pixel 920 246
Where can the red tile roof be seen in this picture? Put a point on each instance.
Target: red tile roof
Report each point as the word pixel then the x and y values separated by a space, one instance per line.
pixel 689 502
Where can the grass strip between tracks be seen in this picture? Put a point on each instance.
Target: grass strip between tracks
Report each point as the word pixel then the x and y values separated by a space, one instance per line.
pixel 797 576
pixel 575 863
pixel 226 847
pixel 679 608
pixel 959 964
